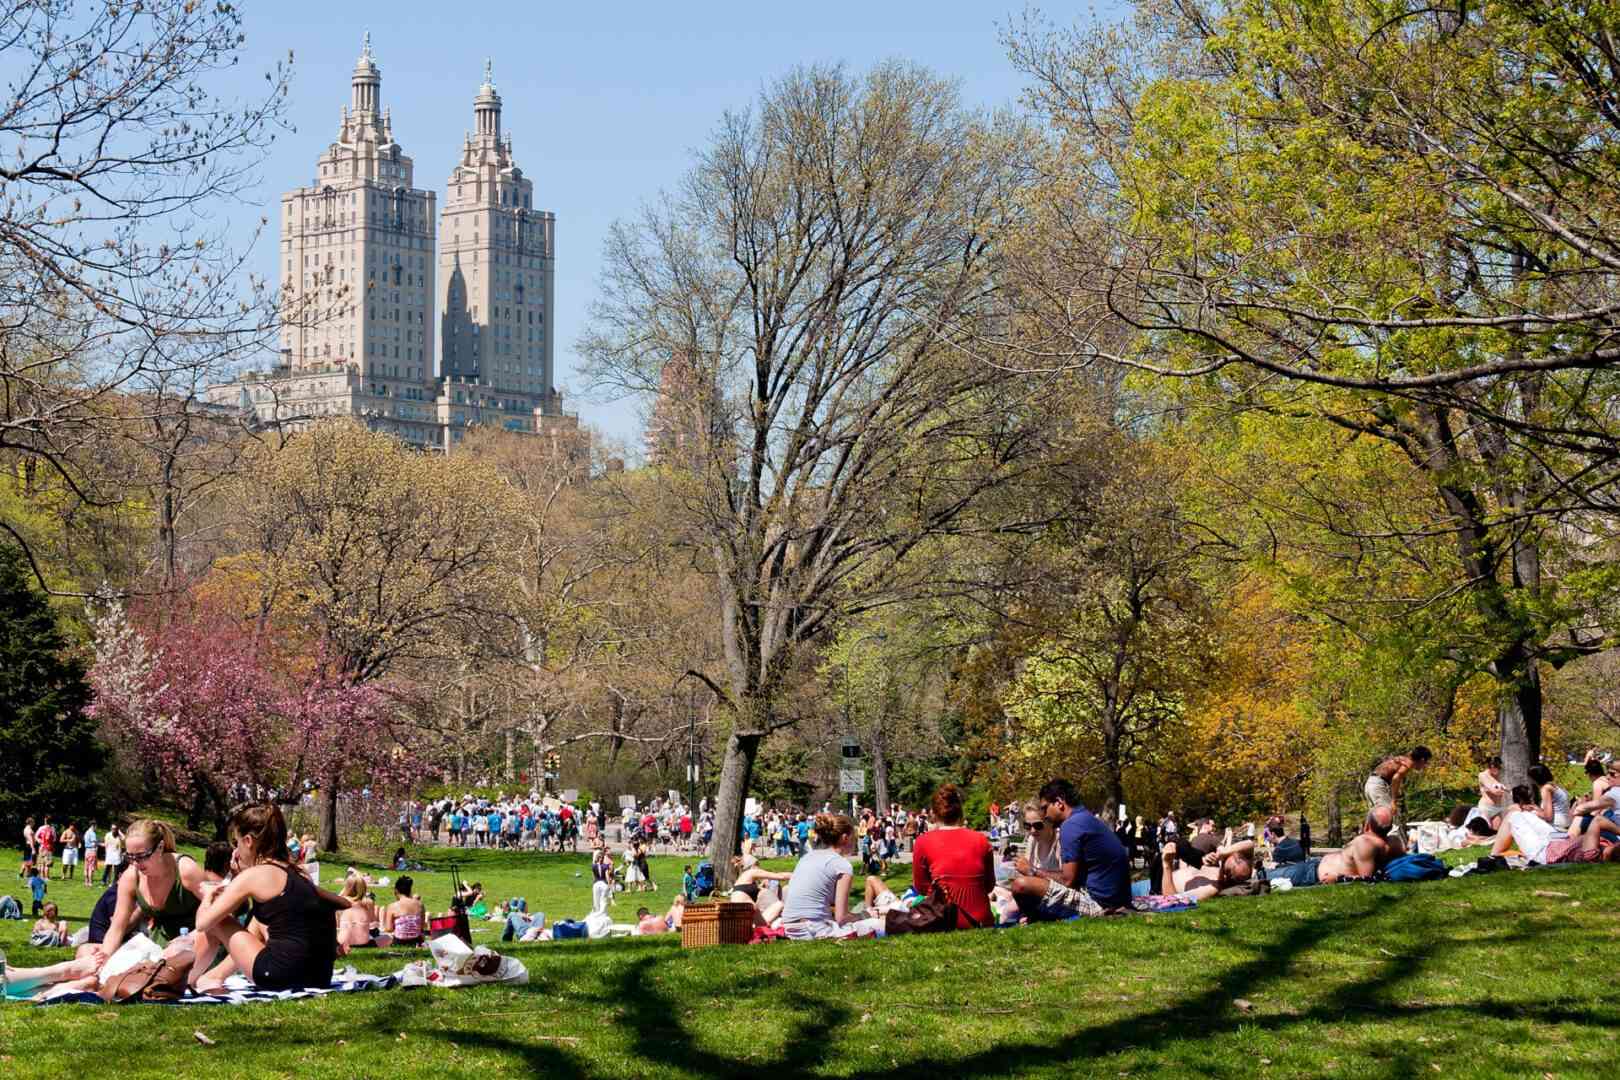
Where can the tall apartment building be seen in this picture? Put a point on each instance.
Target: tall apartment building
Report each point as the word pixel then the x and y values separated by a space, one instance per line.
pixel 689 427
pixel 361 309
pixel 497 259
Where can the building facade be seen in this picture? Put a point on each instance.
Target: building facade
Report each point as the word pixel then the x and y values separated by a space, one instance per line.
pixel 370 327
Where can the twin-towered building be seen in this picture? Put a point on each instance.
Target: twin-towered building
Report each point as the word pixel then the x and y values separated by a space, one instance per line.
pixel 379 322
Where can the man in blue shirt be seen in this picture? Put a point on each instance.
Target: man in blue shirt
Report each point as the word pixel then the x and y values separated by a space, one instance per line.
pixel 1094 871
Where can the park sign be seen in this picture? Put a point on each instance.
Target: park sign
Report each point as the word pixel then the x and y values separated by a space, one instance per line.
pixel 852 781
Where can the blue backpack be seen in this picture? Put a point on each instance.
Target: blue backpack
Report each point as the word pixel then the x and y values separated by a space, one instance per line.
pixel 703 878
pixel 1415 867
pixel 568 928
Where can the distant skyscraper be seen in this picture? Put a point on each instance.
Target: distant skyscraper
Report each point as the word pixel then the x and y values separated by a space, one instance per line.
pixel 689 427
pixel 357 253
pixel 497 260
pixel 360 306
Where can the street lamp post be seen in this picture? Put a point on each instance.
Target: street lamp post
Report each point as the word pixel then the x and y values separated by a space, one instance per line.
pixel 691 757
pixel 848 659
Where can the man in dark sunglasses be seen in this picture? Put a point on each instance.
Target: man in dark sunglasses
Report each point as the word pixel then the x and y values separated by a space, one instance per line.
pixel 1093 875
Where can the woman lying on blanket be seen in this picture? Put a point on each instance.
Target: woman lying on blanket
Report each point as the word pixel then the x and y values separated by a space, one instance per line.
pixel 80 972
pixel 298 943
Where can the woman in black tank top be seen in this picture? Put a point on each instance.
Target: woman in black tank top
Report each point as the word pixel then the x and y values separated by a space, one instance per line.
pixel 301 919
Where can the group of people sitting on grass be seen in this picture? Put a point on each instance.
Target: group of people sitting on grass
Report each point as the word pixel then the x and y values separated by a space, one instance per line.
pixel 1073 864
pixel 248 908
pixel 1542 819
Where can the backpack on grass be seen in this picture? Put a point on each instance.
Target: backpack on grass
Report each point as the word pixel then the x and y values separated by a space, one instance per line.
pixel 1415 867
pixel 703 877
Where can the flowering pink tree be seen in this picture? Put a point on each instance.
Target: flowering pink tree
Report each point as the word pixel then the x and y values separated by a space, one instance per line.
pixel 349 737
pixel 195 701
pixel 207 705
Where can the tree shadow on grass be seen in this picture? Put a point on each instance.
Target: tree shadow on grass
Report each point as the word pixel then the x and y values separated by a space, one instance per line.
pixel 652 1016
pixel 540 1059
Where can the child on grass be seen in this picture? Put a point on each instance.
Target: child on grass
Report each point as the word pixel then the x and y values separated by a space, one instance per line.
pixel 36 885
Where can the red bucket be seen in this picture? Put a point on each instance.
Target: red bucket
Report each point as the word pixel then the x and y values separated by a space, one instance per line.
pixel 453 923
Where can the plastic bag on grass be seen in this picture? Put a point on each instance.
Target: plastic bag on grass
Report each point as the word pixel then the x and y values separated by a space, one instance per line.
pixel 455 964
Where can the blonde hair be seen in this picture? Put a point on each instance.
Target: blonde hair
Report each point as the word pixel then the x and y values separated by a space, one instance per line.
pixel 158 836
pixel 354 887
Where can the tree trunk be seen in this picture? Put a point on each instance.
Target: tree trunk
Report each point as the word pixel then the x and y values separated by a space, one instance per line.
pixel 1335 834
pixel 329 816
pixel 1518 712
pixel 511 754
pixel 880 768
pixel 735 773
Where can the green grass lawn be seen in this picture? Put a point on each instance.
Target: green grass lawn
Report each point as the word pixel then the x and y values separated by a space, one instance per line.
pixel 1510 974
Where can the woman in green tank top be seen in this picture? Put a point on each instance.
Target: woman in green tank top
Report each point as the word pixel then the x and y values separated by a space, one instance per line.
pixel 159 888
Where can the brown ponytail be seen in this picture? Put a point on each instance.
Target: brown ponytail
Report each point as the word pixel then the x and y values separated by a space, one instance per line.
pixel 264 823
pixel 831 828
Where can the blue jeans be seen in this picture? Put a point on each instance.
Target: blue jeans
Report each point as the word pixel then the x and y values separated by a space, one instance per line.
pixel 518 924
pixel 1298 874
pixel 1142 888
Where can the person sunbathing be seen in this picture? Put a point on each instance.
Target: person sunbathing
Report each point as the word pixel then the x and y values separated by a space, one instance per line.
pixel 648 923
pixel 1494 798
pixel 357 924
pixel 51 930
pixel 299 945
pixel 76 974
pixel 404 919
pixel 746 889
pixel 1201 878
pixel 1361 858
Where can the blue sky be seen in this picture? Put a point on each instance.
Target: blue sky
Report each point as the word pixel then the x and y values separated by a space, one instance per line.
pixel 605 103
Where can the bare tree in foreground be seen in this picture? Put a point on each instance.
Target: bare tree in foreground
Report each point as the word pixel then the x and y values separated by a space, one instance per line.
pixel 810 266
pixel 114 282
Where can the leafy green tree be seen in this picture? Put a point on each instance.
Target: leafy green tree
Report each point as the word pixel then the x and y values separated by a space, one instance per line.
pixel 51 750
pixel 1397 222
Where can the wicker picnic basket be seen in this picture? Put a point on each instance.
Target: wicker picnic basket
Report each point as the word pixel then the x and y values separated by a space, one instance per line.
pixel 722 923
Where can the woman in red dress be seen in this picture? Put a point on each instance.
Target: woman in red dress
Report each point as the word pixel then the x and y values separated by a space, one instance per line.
pixel 957 858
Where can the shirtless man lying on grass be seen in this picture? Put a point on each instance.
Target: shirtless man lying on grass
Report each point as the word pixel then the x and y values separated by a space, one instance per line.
pixel 1204 875
pixel 1362 857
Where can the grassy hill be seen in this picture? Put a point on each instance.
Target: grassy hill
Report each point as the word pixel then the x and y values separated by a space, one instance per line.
pixel 1504 975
